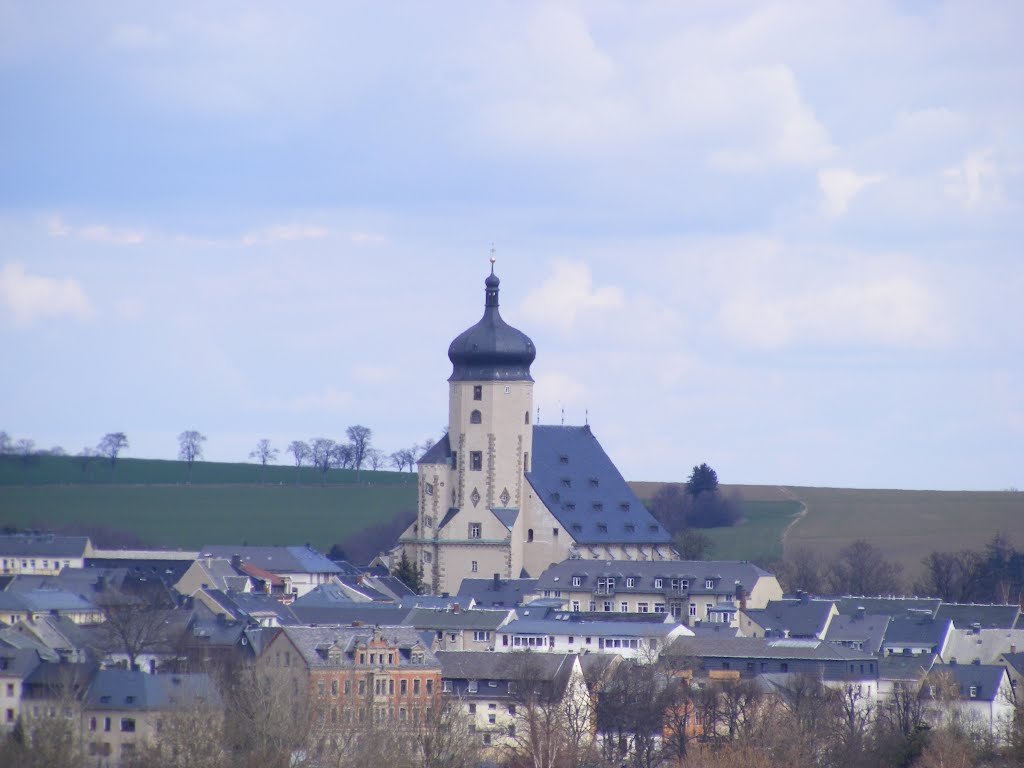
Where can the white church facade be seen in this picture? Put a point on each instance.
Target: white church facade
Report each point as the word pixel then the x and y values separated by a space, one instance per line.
pixel 499 495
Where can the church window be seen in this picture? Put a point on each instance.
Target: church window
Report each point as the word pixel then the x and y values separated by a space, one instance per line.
pixel 529 535
pixel 474 417
pixel 455 459
pixel 428 521
pixel 526 418
pixel 474 530
pixel 508 390
pixel 526 461
pixel 430 489
pixel 473 566
pixel 554 532
pixel 478 392
pixel 476 460
pixel 427 557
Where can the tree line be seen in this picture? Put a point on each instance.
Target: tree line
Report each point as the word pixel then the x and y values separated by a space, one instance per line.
pixel 356 452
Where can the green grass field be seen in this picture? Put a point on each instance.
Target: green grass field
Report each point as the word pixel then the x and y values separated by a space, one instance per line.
pixel 180 516
pixel 758 536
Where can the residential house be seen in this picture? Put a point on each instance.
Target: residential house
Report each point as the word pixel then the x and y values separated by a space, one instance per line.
pixel 37 603
pixel 978 697
pixel 42 553
pixel 497 592
pixel 801 617
pixel 863 631
pixel 213 573
pixel 15 665
pixel 914 636
pixel 498 691
pixel 122 711
pixel 689 590
pixel 982 633
pixel 301 568
pixel 458 630
pixel 359 673
pixel 555 631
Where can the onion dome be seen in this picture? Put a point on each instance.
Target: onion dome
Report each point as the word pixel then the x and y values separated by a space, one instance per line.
pixel 491 350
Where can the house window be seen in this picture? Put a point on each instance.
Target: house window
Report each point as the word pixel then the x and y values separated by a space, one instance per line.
pixel 529 535
pixel 784 667
pixel 592 607
pixel 624 607
pixel 607 606
pixel 693 609
pixel 127 725
pixel 508 390
pixel 974 691
pixel 576 581
pixel 709 583
pixel 475 418
pixel 491 719
pixel 430 687
pixel 554 533
pixel 602 528
pixel 481 636
pixel 642 607
pixel 526 418
pixel 471 687
pixel 630 582
pixel 474 567
pixel 598 506
pixel 526 461
pixel 427 557
pixel 658 583
pixel 684 584
pixel 576 606
pixel 446 686
pixel 476 460
pixel 478 392
pixel 659 608
pixel 474 530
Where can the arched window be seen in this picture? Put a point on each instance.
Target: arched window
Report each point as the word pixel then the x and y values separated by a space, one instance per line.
pixel 526 418
pixel 529 535
pixel 474 417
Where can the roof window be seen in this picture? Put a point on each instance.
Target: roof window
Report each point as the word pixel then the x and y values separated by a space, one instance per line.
pixel 570 507
pixel 594 482
pixel 566 482
pixel 602 528
pixel 577 528
pixel 563 458
pixel 598 506
pixel 653 527
pixel 624 506
pixel 630 528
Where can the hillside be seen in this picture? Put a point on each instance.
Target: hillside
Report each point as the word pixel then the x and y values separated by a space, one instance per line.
pixel 227 502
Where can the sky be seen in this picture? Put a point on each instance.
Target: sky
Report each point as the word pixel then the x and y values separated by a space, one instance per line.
pixel 782 238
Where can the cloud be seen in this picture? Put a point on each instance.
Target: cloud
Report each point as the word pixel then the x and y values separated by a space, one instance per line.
pixel 30 298
pixel 373 374
pixel 55 227
pixel 367 238
pixel 973 179
pixel 135 36
pixel 839 186
pixel 569 292
pixel 556 390
pixel 328 399
pixel 784 302
pixel 287 233
pixel 101 234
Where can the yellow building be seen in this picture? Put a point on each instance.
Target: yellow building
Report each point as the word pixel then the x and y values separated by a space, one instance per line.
pixel 499 495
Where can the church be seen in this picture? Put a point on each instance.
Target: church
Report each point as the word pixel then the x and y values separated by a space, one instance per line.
pixel 501 496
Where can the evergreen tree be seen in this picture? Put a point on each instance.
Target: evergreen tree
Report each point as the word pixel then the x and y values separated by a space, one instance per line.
pixel 409 574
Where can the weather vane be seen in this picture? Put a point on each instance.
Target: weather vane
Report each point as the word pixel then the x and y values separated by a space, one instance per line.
pixel 494 258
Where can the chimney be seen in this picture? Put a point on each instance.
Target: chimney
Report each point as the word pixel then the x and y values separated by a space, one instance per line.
pixel 236 562
pixel 741 596
pixel 1013 648
pixel 497 582
pixel 357 623
pixel 456 608
pixel 860 612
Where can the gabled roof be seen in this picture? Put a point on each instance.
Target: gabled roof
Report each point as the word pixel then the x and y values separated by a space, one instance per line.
pixel 795 618
pixel 867 629
pixel 906 669
pixel 429 618
pixel 44 600
pixel 985 679
pixel 485 665
pixel 439 453
pixel 18 662
pixel 43 545
pixel 340 615
pixel 917 632
pixel 81 581
pixel 507 593
pixel 967 615
pixel 574 478
pixel 119 690
pixel 313 643
pixel 324 596
pixel 275 559
pixel 916 607
pixel 765 648
pixel 724 575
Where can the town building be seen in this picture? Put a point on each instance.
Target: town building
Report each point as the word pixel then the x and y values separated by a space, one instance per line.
pixel 501 495
pixel 46 553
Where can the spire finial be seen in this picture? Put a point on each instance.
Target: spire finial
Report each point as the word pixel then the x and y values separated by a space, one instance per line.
pixel 494 258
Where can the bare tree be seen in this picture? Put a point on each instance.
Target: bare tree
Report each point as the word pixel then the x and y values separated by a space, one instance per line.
pixel 375 458
pixel 405 457
pixel 265 455
pixel 111 446
pixel 85 458
pixel 860 569
pixel 190 448
pixel 359 438
pixel 6 445
pixel 802 568
pixel 301 452
pixel 322 455
pixel 186 738
pixel 50 739
pixel 27 455
pixel 342 455
pixel 445 740
pixel 135 624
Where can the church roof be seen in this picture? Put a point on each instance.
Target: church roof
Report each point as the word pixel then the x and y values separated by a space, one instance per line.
pixel 438 453
pixel 574 478
pixel 491 350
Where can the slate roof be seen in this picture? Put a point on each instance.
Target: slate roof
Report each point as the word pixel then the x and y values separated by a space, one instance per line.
pixel 491 350
pixel 907 669
pixel 429 618
pixel 44 600
pixel 251 604
pixel 890 606
pixel 917 632
pixel 574 478
pixel 81 581
pixel 868 630
pixel 765 648
pixel 984 645
pixel 509 592
pixel 18 662
pixel 966 615
pixel 724 574
pixel 311 641
pixel 506 516
pixel 798 618
pixel 566 623
pixel 324 596
pixel 369 613
pixel 984 678
pixel 119 690
pixel 43 545
pixel 1016 661
pixel 486 665
pixel 276 559
pixel 439 453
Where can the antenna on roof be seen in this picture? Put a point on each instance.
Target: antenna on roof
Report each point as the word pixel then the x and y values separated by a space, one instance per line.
pixel 538 414
pixel 586 417
pixel 563 415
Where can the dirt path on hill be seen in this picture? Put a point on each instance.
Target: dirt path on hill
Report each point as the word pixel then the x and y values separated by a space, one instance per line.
pixel 800 515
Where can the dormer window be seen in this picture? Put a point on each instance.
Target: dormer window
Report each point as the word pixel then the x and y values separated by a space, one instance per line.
pixel 594 482
pixel 478 392
pixel 563 458
pixel 709 583
pixel 658 583
pixel 577 528
pixel 570 507
pixel 653 528
pixel 566 482
pixel 577 581
pixel 475 417
pixel 630 528
pixel 631 582
pixel 624 506
pixel 598 506
pixel 602 528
